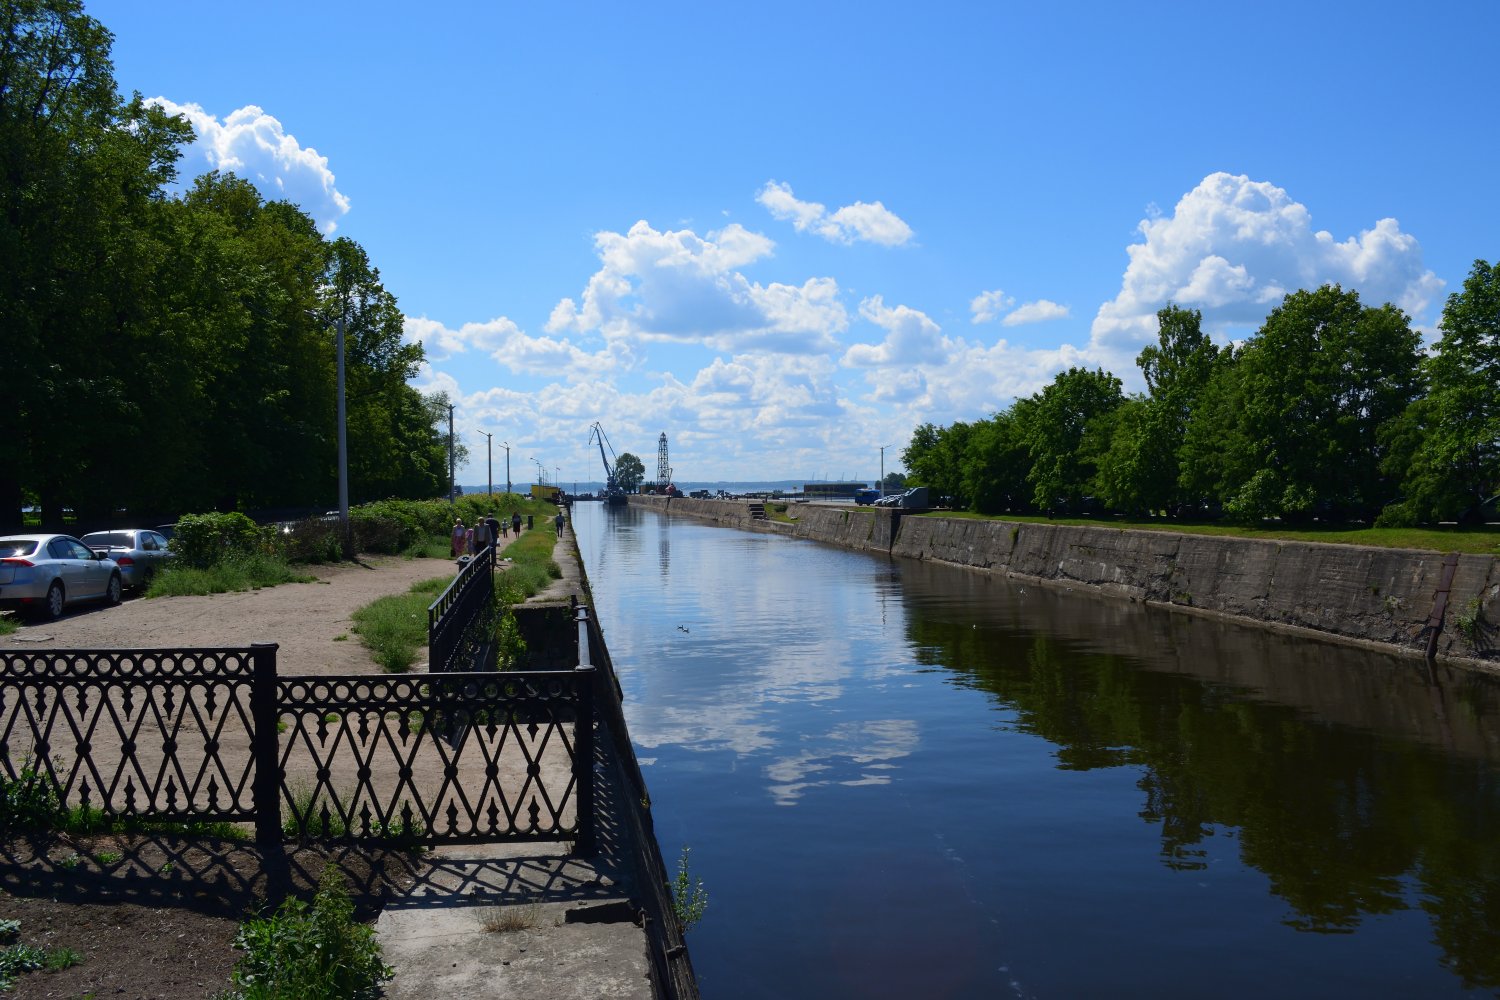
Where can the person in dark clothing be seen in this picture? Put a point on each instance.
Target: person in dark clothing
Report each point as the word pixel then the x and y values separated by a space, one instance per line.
pixel 494 528
pixel 558 523
pixel 515 523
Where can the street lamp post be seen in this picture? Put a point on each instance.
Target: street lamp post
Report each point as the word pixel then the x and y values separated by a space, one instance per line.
pixel 506 446
pixel 882 468
pixel 345 537
pixel 451 498
pixel 489 464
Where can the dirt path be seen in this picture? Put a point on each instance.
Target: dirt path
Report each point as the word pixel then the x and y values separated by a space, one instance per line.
pixel 306 619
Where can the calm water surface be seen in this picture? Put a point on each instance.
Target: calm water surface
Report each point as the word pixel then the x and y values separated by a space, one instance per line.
pixel 900 780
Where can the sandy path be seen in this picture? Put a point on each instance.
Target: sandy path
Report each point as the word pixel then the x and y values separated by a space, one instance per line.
pixel 305 619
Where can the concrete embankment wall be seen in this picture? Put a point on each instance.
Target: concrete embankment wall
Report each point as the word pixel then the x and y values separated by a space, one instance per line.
pixel 1347 592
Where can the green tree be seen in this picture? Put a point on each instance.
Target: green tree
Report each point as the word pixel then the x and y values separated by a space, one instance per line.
pixel 1320 379
pixel 1447 447
pixel 934 459
pixel 1054 432
pixel 996 462
pixel 893 481
pixel 81 172
pixel 629 471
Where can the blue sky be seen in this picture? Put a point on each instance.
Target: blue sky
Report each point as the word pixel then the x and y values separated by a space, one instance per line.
pixel 786 234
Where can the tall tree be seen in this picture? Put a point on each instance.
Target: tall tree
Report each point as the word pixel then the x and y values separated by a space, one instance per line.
pixel 629 471
pixel 1057 421
pixel 1449 444
pixel 1320 379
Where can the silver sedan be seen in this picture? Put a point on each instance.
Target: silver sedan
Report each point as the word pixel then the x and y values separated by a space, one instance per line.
pixel 43 574
pixel 139 552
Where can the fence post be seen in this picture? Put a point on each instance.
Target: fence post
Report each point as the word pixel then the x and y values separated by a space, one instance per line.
pixel 265 745
pixel 583 742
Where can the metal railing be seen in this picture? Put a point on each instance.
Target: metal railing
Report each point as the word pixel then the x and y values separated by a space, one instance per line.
pixel 460 623
pixel 215 735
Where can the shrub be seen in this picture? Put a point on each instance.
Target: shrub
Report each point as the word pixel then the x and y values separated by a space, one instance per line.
pixel 377 532
pixel 203 540
pixel 28 801
pixel 310 540
pixel 310 953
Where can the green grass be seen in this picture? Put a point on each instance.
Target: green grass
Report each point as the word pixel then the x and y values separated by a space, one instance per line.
pixel 1483 541
pixel 430 547
pixel 30 802
pixel 8 624
pixel 236 573
pixel 393 628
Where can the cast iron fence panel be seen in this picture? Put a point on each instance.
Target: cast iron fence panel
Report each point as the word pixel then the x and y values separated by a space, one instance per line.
pixel 215 735
pixel 160 733
pixel 461 622
pixel 465 758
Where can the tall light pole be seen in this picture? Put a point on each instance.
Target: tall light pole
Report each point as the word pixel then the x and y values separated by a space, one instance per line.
pixel 345 537
pixel 489 464
pixel 506 446
pixel 451 498
pixel 882 468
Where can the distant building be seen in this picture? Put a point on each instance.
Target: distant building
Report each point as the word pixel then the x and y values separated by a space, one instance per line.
pixel 831 491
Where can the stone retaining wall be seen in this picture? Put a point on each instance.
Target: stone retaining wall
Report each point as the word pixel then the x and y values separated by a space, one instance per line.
pixel 1352 593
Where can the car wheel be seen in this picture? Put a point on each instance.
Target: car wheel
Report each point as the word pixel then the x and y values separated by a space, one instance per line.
pixel 112 592
pixel 52 609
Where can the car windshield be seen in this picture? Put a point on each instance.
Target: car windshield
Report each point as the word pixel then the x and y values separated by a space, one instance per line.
pixel 119 539
pixel 16 547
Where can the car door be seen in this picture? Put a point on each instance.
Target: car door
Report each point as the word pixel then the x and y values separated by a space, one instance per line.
pixel 93 574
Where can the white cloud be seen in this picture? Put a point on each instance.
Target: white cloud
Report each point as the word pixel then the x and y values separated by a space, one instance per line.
pixel 1234 247
pixel 912 338
pixel 678 286
pixel 254 145
pixel 989 305
pixel 869 222
pixel 1035 312
pixel 512 348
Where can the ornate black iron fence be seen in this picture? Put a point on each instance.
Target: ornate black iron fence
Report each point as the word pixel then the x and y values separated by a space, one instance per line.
pixel 461 622
pixel 214 735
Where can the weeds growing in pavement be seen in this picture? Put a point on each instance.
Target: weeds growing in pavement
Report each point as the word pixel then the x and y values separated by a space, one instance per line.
pixel 316 952
pixel 393 628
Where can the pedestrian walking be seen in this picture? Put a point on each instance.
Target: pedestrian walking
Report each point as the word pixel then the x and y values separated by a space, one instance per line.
pixel 494 527
pixel 469 541
pixel 515 523
pixel 481 536
pixel 456 539
pixel 558 523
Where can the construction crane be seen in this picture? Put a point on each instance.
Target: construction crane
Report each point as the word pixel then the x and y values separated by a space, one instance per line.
pixel 613 494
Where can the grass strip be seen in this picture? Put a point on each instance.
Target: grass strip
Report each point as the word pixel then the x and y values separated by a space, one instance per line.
pixel 249 571
pixel 1481 541
pixel 393 628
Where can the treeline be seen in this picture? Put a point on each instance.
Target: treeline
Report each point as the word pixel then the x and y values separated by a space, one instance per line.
pixel 1332 410
pixel 171 353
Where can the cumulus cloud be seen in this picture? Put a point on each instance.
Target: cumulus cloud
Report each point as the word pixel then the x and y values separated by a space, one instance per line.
pixel 1233 248
pixel 252 144
pixel 1035 312
pixel 912 338
pixel 512 348
pixel 679 286
pixel 864 222
pixel 989 305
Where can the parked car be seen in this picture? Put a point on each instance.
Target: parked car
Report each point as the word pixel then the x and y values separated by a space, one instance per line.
pixel 139 552
pixel 42 574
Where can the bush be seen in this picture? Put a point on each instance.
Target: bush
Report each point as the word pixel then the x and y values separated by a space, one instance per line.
pixel 28 801
pixel 310 540
pixel 378 532
pixel 316 953
pixel 204 540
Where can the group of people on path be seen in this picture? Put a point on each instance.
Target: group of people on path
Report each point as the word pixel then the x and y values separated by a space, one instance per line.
pixel 487 530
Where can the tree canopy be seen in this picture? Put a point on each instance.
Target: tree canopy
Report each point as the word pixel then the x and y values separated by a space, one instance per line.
pixel 174 352
pixel 629 471
pixel 1330 410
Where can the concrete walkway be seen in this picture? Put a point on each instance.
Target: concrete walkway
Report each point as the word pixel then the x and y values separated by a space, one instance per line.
pixel 524 921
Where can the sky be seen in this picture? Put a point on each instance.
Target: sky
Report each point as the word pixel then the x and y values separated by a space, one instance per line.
pixel 785 234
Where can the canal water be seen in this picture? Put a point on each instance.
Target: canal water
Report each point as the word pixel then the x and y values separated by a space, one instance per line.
pixel 905 780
